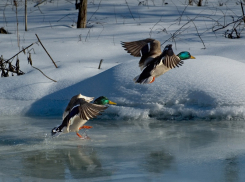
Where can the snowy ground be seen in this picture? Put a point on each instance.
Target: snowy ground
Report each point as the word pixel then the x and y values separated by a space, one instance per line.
pixel 209 88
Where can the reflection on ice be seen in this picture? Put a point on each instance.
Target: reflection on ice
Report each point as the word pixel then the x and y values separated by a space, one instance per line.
pixel 231 169
pixel 73 162
pixel 158 162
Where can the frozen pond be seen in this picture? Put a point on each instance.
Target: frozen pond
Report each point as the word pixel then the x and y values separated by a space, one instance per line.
pixel 123 151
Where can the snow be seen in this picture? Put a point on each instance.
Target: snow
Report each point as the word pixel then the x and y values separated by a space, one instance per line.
pixel 209 87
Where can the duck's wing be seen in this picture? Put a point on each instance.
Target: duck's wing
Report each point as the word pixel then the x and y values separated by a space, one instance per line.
pixel 84 110
pixel 169 59
pixel 143 47
pixel 75 101
pixel 88 110
pixel 70 105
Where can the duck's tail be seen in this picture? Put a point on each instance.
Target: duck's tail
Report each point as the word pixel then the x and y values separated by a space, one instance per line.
pixel 148 80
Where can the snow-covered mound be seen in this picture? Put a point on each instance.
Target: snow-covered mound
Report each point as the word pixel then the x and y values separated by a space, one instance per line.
pixel 209 87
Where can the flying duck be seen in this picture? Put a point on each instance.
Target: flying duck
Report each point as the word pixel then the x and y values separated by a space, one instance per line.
pixel 153 61
pixel 78 111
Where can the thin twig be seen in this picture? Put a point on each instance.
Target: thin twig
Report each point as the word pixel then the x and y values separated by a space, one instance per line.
pixel 19 52
pixel 64 17
pixel 182 13
pixel 224 26
pixel 154 26
pixel 101 30
pixel 44 74
pixel 88 34
pixel 46 51
pixel 95 11
pixel 176 32
pixel 40 3
pixel 40 10
pixel 198 34
pixel 115 13
pixel 129 9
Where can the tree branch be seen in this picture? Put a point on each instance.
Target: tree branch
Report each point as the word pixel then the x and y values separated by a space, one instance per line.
pixel 46 51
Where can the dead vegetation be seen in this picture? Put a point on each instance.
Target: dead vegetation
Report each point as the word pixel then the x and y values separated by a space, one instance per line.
pixel 237 26
pixel 3 31
pixel 7 68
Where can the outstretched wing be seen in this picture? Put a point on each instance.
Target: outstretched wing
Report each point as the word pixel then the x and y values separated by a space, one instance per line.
pixel 169 59
pixel 88 111
pixel 84 110
pixel 74 101
pixel 142 47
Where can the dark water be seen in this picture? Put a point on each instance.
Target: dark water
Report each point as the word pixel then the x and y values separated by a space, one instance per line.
pixel 123 151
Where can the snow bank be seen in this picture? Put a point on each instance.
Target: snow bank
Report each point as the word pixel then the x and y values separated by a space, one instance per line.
pixel 209 87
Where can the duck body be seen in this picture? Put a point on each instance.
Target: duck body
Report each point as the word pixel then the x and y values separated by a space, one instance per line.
pixel 154 62
pixel 152 70
pixel 78 111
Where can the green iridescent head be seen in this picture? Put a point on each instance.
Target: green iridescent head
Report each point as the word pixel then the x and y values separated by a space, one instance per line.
pixel 102 100
pixel 185 55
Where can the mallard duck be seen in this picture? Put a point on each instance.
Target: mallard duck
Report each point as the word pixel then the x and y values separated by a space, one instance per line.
pixel 154 62
pixel 78 111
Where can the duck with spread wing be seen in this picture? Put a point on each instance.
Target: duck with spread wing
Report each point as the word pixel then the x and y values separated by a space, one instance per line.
pixel 78 111
pixel 153 61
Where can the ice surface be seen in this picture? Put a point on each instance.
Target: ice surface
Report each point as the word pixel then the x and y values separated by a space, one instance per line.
pixel 123 151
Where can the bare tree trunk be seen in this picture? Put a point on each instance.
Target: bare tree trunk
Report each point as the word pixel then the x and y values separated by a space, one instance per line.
pixel 199 3
pixel 25 15
pixel 82 14
pixel 191 2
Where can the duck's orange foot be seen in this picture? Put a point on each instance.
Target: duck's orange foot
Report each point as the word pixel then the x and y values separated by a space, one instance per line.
pixel 85 127
pixel 80 136
pixel 153 79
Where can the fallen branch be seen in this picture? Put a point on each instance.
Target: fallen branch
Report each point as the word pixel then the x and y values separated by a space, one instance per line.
pixel 46 51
